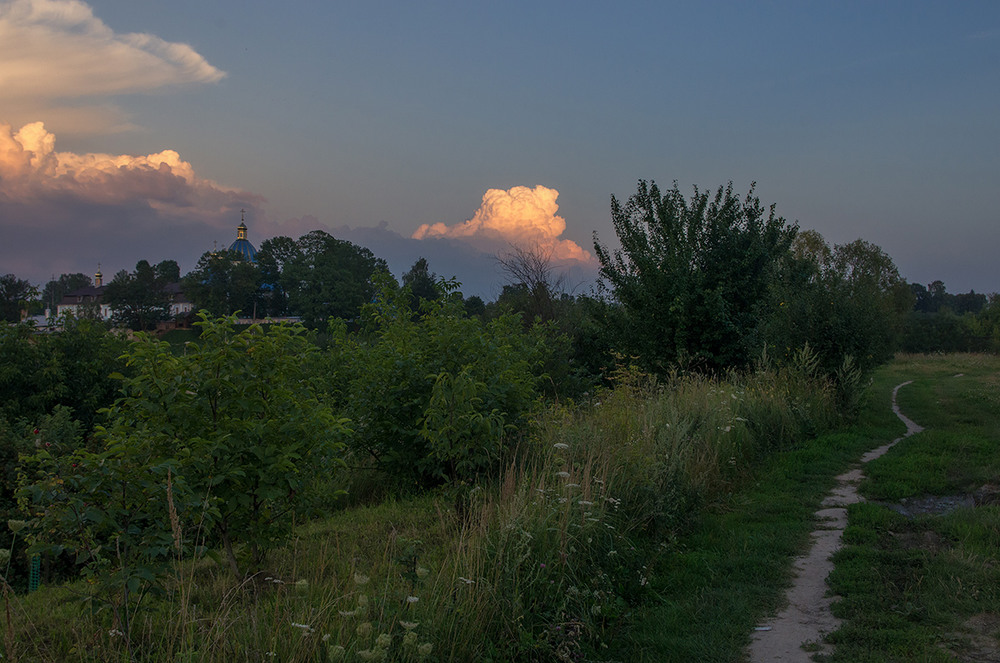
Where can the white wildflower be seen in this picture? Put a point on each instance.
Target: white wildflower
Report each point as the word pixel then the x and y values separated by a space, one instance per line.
pixel 561 445
pixel 409 626
pixel 412 599
pixel 360 579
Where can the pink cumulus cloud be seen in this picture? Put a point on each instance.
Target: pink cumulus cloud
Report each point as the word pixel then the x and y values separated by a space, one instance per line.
pixel 519 216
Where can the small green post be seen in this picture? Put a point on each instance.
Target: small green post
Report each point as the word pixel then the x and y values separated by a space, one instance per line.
pixel 36 569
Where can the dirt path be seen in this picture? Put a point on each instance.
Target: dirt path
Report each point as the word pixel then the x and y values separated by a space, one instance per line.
pixel 808 618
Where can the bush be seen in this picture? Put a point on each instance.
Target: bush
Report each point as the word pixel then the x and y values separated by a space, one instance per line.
pixel 217 446
pixel 435 396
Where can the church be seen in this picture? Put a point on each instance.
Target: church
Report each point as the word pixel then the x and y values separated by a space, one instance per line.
pixel 90 299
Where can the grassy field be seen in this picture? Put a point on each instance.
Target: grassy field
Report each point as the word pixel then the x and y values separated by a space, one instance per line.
pixel 919 576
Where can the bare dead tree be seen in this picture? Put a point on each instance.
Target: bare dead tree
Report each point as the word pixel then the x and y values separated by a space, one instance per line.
pixel 532 269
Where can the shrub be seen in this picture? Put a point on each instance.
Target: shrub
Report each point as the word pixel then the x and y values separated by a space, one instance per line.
pixel 435 396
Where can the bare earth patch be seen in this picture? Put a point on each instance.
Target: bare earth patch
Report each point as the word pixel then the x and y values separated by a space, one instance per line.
pixel 979 642
pixel 807 619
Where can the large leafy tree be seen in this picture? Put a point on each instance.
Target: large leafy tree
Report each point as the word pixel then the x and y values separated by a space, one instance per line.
pixel 274 255
pixel 138 299
pixel 329 277
pixel 692 275
pixel 223 283
pixel 15 296
pixel 844 301
pixel 69 367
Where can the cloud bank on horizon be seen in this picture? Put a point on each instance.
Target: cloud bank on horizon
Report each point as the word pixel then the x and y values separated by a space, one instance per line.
pixel 64 212
pixel 56 52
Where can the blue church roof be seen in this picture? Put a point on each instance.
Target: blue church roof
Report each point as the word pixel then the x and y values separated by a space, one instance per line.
pixel 242 245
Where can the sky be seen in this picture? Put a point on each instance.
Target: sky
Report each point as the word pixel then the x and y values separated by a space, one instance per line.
pixel 455 130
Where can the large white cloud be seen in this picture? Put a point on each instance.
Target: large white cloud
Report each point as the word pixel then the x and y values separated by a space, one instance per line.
pixel 521 216
pixel 54 53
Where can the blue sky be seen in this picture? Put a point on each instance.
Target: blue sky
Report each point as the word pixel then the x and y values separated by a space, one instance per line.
pixel 871 120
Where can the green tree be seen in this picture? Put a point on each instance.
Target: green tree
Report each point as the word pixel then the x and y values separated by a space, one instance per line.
pixel 168 270
pixel 54 290
pixel 138 299
pixel 329 277
pixel 274 256
pixel 421 282
pixel 222 283
pixel 70 367
pixel 848 301
pixel 15 297
pixel 692 278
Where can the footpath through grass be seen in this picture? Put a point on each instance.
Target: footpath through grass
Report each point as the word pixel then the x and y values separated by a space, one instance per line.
pixel 919 575
pixel 730 571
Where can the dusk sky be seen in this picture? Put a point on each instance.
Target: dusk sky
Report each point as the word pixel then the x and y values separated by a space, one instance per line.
pixel 139 130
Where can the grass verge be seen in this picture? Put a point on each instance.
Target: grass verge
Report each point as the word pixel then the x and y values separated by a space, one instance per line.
pixel 919 577
pixel 729 572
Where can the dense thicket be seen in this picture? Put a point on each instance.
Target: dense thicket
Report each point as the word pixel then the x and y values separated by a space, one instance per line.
pixel 52 387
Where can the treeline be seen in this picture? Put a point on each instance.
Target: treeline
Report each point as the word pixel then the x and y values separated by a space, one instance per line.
pixel 944 322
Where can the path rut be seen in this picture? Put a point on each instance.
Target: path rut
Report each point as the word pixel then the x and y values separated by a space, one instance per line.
pixel 808 618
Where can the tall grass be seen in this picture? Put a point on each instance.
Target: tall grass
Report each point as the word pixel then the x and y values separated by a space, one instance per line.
pixel 546 561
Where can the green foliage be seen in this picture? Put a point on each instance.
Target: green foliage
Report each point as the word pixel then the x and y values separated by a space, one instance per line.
pixel 317 276
pixel 942 322
pixel 422 283
pixel 68 367
pixel 15 296
pixel 435 395
pixel 237 421
pixel 692 278
pixel 223 283
pixel 848 301
pixel 138 299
